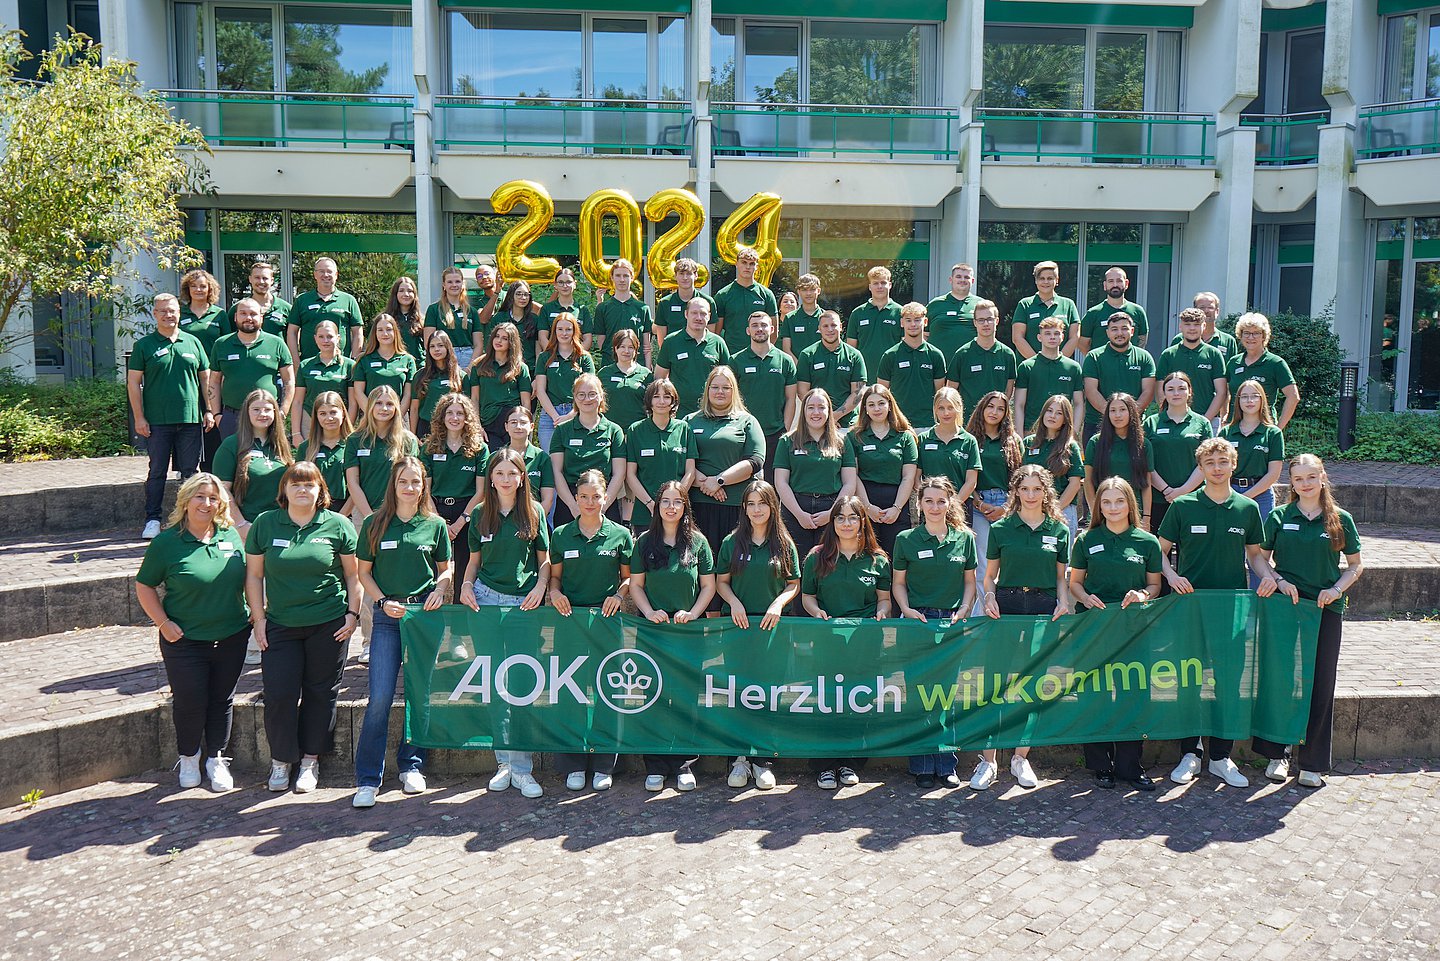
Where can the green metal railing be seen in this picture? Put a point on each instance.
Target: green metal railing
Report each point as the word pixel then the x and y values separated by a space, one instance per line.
pixel 1284 139
pixel 1098 136
pixel 275 119
pixel 835 130
pixel 1399 129
pixel 528 125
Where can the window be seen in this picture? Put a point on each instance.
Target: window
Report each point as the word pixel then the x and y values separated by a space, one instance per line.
pixel 1404 354
pixel 1081 68
pixel 1412 57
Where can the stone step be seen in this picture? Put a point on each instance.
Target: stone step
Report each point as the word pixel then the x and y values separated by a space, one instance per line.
pixel 1402 570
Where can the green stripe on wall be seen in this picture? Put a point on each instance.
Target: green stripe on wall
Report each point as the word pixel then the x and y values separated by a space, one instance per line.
pixel 866 248
pixel 353 243
pixel 628 6
pixel 835 10
pixel 1296 18
pixel 1030 251
pixel 1386 7
pixel 1088 14
pixel 1296 254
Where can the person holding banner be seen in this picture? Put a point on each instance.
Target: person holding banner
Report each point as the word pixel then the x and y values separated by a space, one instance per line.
pixel 454 457
pixel 814 467
pixel 846 575
pixel 934 577
pixel 1305 541
pixel 1002 449
pixel 509 566
pixel 625 381
pixel 887 461
pixel 590 568
pixel 729 450
pixel 1119 449
pixel 757 572
pixel 587 441
pixel 555 375
pixel 672 579
pixel 325 449
pixel 538 469
pixel 499 381
pixel 403 551
pixel 1116 561
pixel 1172 434
pixel 1025 574
pixel 658 448
pixel 1052 444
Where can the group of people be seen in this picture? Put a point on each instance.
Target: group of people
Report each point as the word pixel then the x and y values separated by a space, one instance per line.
pixel 746 469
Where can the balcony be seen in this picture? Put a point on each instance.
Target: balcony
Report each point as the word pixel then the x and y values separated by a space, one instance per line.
pixel 567 127
pixel 1283 140
pixel 1406 133
pixel 1098 137
pixel 835 131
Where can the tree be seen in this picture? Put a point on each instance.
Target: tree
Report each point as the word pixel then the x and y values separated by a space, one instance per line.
pixel 91 176
pixel 312 62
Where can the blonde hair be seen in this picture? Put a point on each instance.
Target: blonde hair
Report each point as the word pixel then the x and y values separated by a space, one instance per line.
pixel 594 381
pixel 737 403
pixel 1115 482
pixel 1253 321
pixel 1045 265
pixel 1216 445
pixel 1047 480
pixel 245 438
pixel 189 488
pixel 986 305
pixel 1264 413
pixel 396 434
pixel 953 396
pixel 1329 510
pixel 913 309
pixel 372 343
pixel 877 273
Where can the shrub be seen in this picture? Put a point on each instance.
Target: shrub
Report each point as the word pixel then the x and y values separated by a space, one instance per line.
pixel 85 418
pixel 1408 438
pixel 1312 349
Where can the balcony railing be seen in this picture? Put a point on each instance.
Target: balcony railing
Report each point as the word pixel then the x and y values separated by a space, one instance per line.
pixel 576 126
pixel 835 130
pixel 1098 136
pixel 1399 129
pixel 254 118
pixel 1285 139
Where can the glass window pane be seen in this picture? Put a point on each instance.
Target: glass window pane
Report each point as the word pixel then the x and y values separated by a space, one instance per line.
pixel 348 50
pixel 722 61
pixel 484 62
pixel 1432 59
pixel 189 47
pixel 1400 58
pixel 1425 339
pixel 867 63
pixel 244 48
pixel 1120 71
pixel 670 84
pixel 772 63
pixel 1384 314
pixel 1034 67
pixel 618 53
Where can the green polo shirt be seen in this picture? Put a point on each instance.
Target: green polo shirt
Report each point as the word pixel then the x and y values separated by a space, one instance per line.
pixel 613 316
pixel 1038 452
pixel 689 362
pixel 1028 555
pixel 1221 341
pixel 1172 445
pixel 874 331
pixel 625 393
pixel 1115 564
pixel 508 564
pixel 590 566
pixel 374 370
pixel 1304 553
pixel 675 586
pixel 1255 450
pixel 1092 325
pixel 1032 310
pixel 453 473
pixel 801 329
pixel 1203 364
pixel 951 322
pixel 834 371
pixel 369 456
pixel 670 310
pixel 552 309
pixel 911 373
pixel 1042 378
pixel 316 377
pixel 763 382
pixel 994 469
pixel 262 475
pixel 659 455
pixel 539 469
pixel 882 460
pixel 757 583
pixel 206 328
pixel 276 316
pixel 430 392
pixel 978 371
pixel 310 309
pixel 734 304
pixel 331 461
pixel 1270 370
pixel 204 582
pixel 812 471
pixel 1118 463
pixel 953 458
pixel 935 566
pixel 1117 371
pixel 720 443
pixel 170 387
pixel 587 448
pixel 1211 538
pixel 256 367
pixel 496 396
pixel 409 552
pixel 850 590
pixel 304 576
pixel 459 324
pixel 560 374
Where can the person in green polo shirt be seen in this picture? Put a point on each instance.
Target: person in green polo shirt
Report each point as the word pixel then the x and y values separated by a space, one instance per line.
pixel 379 442
pixel 766 375
pixel 1208 303
pixel 833 365
pixel 1001 451
pixel 814 467
pixel 1120 449
pixel 982 364
pixel 274 310
pixel 454 455
pixel 1306 541
pixel 245 361
pixel 326 446
pixel 1051 443
pixel 729 450
pixel 1045 302
pixel 1172 435
pixel 519 308
pixel 199 560
pixel 325 302
pixel 1215 532
pixel 913 369
pixel 251 461
pixel 874 326
pixel 948 449
pixel 303 584
pixel 1254 361
pixel 952 316
pixel 499 381
pixel 670 309
pixel 201 315
pixel 887 461
pixel 328 370
pixel 1259 447
pixel 404 559
pixel 625 380
pixel 736 301
pixel 658 448
pixel 1092 325
pixel 439 376
pixel 672 579
pixel 587 441
pixel 800 328
pixel 1201 362
pixel 404 305
pixel 539 471
pixel 563 302
pixel 1047 375
pixel 555 373
pixel 384 363
pixel 622 310
pixel 1118 367
pixel 1116 561
pixel 454 315
pixel 687 356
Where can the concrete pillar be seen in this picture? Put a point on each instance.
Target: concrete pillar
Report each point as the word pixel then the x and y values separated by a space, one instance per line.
pixel 962 57
pixel 432 243
pixel 1216 254
pixel 703 152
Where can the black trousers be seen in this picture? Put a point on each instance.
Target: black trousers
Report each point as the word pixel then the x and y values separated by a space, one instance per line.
pixel 1018 600
pixel 301 670
pixel 202 676
pixel 590 763
pixel 883 496
pixel 451 508
pixel 495 435
pixel 1315 751
pixel 1121 758
pixel 812 504
pixel 717 520
pixel 669 765
pixel 209 444
pixel 772 441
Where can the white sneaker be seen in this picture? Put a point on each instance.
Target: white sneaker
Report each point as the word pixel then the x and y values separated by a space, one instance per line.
pixel 364 657
pixel 1310 779
pixel 412 782
pixel 575 781
pixel 1278 770
pixel 1226 771
pixel 309 777
pixel 252 653
pixel 740 772
pixel 764 778
pixel 279 776
pixel 218 770
pixel 655 782
pixel 1024 773
pixel 1186 770
pixel 152 528
pixel 529 787
pixel 984 775
pixel 189 766
pixel 601 782
pixel 685 781
pixel 364 797
pixel 503 778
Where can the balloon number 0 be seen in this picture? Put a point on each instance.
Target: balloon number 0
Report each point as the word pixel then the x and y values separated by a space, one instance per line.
pixel 761 211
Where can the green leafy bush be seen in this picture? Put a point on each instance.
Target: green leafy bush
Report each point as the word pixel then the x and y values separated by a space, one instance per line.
pixel 85 418
pixel 1408 438
pixel 1312 349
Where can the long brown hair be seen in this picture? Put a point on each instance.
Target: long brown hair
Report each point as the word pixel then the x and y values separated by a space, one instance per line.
pixel 372 343
pixel 576 351
pixel 1011 441
pixel 484 365
pixel 245 439
pixel 532 311
pixel 472 440
pixel 1134 439
pixel 1329 510
pixel 447 372
pixel 831 438
pixel 1119 483
pixel 1058 463
pixel 897 419
pixel 390 505
pixel 330 398
pixel 955 513
pixel 777 535
pixel 414 318
pixel 1263 413
pixel 525 513
pixel 828 548
pixel 1048 506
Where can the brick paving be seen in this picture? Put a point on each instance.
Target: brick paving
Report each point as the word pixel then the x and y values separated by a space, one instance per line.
pixel 71 556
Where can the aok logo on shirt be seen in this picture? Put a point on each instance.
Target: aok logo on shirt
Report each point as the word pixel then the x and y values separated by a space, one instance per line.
pixel 1237 530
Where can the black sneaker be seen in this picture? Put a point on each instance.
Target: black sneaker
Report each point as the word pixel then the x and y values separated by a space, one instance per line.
pixel 1105 779
pixel 1142 783
pixel 925 781
pixel 826 781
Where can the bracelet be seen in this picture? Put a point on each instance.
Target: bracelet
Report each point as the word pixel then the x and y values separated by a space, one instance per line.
pixel 356 614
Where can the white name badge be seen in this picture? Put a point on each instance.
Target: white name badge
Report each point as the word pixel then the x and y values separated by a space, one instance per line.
pixel 868 447
pixel 555 364
pixel 576 442
pixel 865 322
pixel 683 356
pixel 1199 529
pixel 486 538
pixel 439 457
pixel 232 356
pixel 617 380
pixel 950 313
pixel 648 452
pixel 374 364
pixel 1239 370
pixel 925 554
pixel 389 545
pixel 820 366
pixel 571 554
pixel 749 370
pixel 799 330
pixel 1049 542
pixel 1035 316
pixel 1097 548
pixel 162 352
pixel 976 369
pixel 226 547
pixel 932 446
pixel 1035 452
pixel 1162 430
pixel 314 307
pixel 279 542
pixel 1291 527
pixel 363 452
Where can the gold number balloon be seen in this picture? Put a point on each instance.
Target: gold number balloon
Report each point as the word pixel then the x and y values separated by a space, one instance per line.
pixel 660 264
pixel 762 210
pixel 510 255
pixel 617 203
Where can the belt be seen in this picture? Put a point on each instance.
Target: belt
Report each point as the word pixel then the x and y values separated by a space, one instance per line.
pixel 449 501
pixel 1246 482
pixel 1028 590
pixel 412 599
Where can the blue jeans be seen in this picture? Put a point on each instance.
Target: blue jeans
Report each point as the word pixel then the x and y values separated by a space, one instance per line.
pixel 941 765
pixel 1266 503
pixel 464 355
pixel 384 670
pixel 521 762
pixel 177 444
pixel 546 429
pixel 995 497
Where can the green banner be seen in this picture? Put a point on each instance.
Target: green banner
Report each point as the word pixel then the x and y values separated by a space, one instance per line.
pixel 1214 662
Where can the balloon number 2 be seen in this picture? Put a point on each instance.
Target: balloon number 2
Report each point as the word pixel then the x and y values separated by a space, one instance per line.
pixel 762 211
